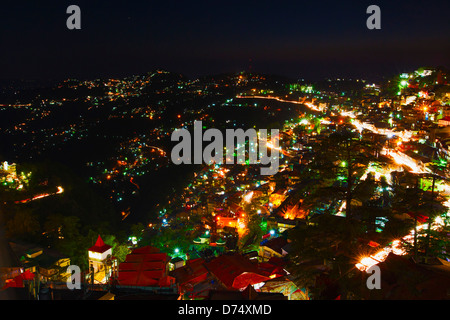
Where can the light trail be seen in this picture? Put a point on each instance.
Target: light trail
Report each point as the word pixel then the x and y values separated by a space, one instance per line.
pixel 41 196
pixel 402 159
pixel 134 183
pixel 269 98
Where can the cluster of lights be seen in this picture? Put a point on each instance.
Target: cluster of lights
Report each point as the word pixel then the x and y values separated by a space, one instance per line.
pixel 401 159
pixel 396 246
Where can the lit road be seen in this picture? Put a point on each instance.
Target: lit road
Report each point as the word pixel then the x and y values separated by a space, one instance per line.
pixel 309 105
pixel 41 196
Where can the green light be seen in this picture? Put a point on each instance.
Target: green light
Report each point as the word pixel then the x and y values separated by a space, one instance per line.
pixel 263 225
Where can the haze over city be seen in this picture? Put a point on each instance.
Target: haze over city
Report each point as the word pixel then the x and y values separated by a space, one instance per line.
pixel 300 39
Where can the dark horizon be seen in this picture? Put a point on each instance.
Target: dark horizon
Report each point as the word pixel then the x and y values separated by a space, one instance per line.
pixel 313 40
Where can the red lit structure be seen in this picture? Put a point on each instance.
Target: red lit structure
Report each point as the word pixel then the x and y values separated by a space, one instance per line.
pixel 145 267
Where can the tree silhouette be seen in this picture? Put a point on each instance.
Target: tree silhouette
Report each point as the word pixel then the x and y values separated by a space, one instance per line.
pixel 422 205
pixel 326 246
pixel 338 164
pixel 24 224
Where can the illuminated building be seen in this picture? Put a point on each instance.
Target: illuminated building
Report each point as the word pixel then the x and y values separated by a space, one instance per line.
pixel 46 264
pixel 444 122
pixel 101 262
pixel 9 170
pixel 10 178
pixel 277 198
pixel 231 222
pixel 272 248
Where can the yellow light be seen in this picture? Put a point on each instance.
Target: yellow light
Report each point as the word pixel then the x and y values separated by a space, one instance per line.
pixel 95 255
pixel 248 197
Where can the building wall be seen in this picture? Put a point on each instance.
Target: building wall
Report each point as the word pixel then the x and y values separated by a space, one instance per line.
pixel 265 253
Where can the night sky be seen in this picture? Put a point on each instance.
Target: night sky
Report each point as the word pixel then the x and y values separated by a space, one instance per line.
pixel 300 39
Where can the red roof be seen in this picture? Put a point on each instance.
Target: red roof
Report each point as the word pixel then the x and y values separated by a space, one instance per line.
pixel 273 267
pixel 99 246
pixel 17 282
pixel 245 279
pixel 145 267
pixel 235 271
